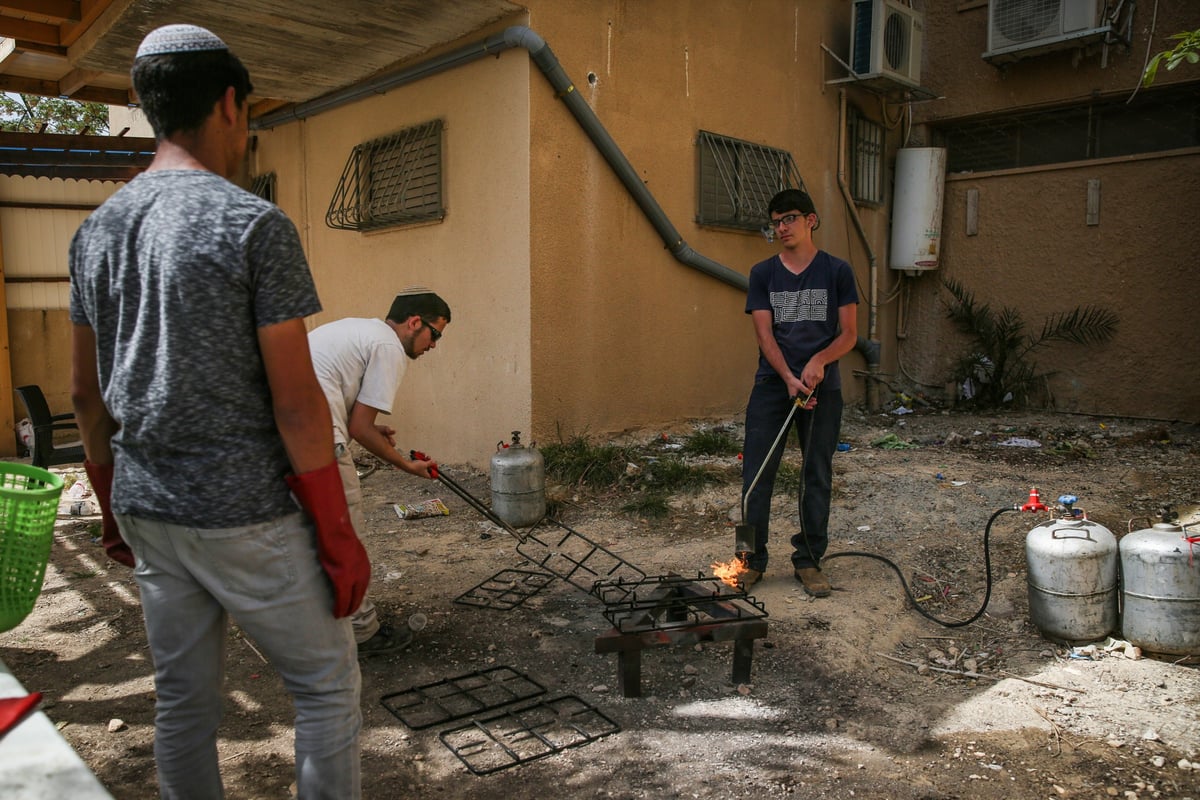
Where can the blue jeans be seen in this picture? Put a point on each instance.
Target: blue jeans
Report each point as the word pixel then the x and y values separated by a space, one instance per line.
pixel 818 430
pixel 268 577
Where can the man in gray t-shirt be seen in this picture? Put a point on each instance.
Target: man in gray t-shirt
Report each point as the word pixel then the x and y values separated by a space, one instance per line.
pixel 199 411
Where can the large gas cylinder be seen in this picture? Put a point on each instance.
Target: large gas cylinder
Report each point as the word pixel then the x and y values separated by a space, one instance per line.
pixel 518 483
pixel 1072 577
pixel 1161 570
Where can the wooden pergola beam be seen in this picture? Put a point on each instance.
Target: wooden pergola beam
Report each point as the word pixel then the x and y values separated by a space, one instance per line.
pixel 75 141
pixel 76 80
pixel 77 173
pixel 86 94
pixel 77 156
pixel 28 30
pixel 57 10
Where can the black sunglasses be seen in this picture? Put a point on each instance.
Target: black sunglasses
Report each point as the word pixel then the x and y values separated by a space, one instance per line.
pixel 434 333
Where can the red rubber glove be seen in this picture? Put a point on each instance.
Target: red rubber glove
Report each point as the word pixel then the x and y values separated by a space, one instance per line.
pixel 14 709
pixel 101 479
pixel 342 555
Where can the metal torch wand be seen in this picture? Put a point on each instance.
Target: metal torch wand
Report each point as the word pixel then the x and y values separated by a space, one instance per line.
pixel 743 536
pixel 466 496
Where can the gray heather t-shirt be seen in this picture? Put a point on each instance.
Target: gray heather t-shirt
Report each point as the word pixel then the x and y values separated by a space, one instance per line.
pixel 175 273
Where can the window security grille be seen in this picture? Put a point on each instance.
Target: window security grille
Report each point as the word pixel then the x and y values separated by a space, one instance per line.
pixel 264 186
pixel 1153 121
pixel 866 159
pixel 393 180
pixel 737 179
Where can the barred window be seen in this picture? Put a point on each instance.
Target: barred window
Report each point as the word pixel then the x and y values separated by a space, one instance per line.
pixel 393 180
pixel 736 179
pixel 866 158
pixel 1153 121
pixel 264 186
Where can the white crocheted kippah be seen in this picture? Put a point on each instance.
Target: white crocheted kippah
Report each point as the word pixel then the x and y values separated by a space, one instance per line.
pixel 411 290
pixel 179 39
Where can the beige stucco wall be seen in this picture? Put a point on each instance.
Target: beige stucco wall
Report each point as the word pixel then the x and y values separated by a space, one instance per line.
pixel 1034 251
pixel 36 295
pixel 571 317
pixel 1036 254
pixel 473 389
pixel 625 336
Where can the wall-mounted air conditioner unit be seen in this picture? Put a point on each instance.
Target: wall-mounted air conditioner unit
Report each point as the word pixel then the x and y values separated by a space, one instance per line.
pixel 1021 28
pixel 885 40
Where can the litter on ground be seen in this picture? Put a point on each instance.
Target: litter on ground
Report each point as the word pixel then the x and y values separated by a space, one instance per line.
pixel 891 442
pixel 1017 441
pixel 427 508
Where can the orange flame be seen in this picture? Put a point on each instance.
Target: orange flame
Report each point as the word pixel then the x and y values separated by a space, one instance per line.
pixel 729 571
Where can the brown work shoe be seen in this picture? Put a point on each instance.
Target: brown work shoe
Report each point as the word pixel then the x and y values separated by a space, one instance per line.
pixel 815 583
pixel 749 578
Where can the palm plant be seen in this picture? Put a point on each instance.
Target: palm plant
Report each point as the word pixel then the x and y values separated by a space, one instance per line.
pixel 999 367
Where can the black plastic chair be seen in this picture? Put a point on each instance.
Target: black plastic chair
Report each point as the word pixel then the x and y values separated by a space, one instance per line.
pixel 45 452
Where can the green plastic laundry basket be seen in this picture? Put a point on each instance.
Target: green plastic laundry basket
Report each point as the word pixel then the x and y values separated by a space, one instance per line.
pixel 28 506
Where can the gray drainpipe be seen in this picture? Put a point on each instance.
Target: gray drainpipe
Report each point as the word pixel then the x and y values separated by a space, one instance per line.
pixel 543 56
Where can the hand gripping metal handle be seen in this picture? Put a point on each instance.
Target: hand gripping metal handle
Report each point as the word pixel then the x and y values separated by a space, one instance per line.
pixel 767 458
pixel 467 497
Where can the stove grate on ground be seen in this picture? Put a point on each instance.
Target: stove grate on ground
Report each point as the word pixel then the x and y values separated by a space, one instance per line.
pixel 520 735
pixel 672 610
pixel 460 696
pixel 571 556
pixel 672 601
pixel 506 590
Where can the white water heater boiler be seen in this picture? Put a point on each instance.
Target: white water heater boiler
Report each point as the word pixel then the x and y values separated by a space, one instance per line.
pixel 920 187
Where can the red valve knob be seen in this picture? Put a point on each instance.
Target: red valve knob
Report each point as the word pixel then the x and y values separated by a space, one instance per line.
pixel 1035 502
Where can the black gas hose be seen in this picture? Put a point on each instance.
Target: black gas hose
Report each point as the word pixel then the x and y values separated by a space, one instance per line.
pixel 987 561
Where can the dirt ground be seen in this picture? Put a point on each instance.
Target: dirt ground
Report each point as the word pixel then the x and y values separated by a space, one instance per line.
pixel 855 695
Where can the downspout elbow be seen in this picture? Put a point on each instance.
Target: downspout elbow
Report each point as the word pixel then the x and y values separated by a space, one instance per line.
pixel 522 36
pixel 684 254
pixel 545 60
pixel 870 349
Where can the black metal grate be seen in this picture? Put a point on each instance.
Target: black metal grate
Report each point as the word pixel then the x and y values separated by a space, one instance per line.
pixel 573 557
pixel 461 696
pixel 737 179
pixel 866 158
pixel 524 734
pixel 671 602
pixel 264 186
pixel 393 180
pixel 505 590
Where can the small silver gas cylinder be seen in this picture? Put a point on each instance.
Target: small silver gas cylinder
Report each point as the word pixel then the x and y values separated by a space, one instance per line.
pixel 1161 571
pixel 518 483
pixel 1072 576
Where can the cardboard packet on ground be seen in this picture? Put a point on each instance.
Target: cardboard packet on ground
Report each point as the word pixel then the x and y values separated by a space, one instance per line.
pixel 429 508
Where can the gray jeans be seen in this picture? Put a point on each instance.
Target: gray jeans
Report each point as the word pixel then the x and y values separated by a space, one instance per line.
pixel 267 577
pixel 366 619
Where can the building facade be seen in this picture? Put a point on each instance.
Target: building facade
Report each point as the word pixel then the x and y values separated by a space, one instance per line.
pixel 584 182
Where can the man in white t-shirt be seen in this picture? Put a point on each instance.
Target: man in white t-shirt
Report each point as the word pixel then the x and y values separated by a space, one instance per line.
pixel 360 363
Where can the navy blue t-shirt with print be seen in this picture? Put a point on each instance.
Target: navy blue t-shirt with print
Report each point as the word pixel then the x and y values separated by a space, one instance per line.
pixel 804 308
